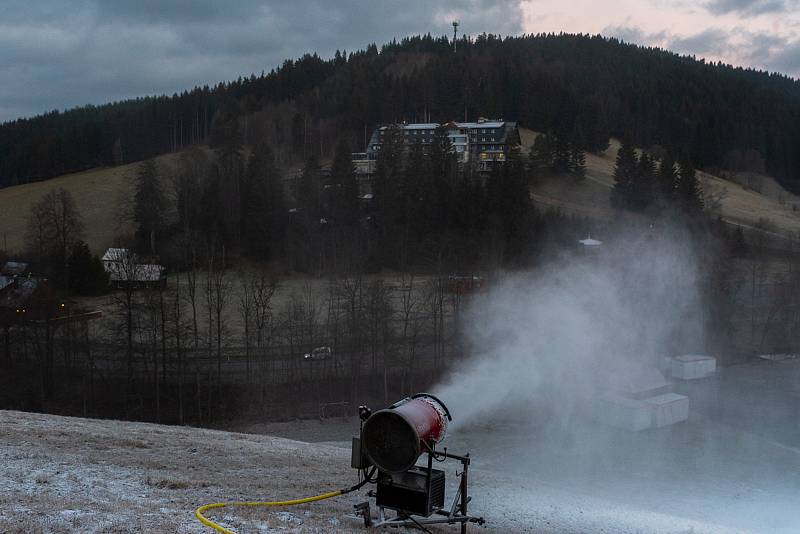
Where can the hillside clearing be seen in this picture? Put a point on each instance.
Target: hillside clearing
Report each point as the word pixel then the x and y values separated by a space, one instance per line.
pixel 97 194
pixel 773 209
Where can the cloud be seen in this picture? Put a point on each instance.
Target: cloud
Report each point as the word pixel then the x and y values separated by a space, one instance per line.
pixel 738 46
pixel 713 41
pixel 635 35
pixel 787 59
pixel 750 7
pixel 58 54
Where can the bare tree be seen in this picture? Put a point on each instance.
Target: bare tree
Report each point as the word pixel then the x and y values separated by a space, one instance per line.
pixel 185 194
pixel 152 335
pixel 351 292
pixel 262 290
pixel 191 290
pixel 54 226
pixel 150 202
pixel 409 317
pixel 379 312
pixel 434 302
pixel 125 271
pixel 217 286
pixel 309 316
pixel 246 305
pixel 292 318
pixel 333 329
pixel 177 322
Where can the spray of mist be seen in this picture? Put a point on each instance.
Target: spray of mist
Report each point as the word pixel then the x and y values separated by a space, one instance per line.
pixel 544 347
pixel 548 340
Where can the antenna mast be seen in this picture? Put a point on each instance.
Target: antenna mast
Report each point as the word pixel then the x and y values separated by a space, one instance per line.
pixel 455 32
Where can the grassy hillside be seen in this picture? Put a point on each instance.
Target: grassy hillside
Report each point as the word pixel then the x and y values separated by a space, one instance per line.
pixel 759 203
pixel 755 202
pixel 97 193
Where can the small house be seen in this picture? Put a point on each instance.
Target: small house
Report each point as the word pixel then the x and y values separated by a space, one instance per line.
pixel 124 267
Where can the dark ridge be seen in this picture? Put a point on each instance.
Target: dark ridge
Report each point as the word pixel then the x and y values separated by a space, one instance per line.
pixel 590 86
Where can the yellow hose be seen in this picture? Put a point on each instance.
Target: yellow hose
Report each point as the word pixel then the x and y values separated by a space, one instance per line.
pixel 207 522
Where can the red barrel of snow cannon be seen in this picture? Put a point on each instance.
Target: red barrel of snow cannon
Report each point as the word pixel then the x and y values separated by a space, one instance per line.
pixel 394 438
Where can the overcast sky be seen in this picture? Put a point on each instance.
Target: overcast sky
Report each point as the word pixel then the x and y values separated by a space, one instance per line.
pixel 62 53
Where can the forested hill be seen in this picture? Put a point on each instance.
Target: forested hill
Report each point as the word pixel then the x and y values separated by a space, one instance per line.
pixel 587 88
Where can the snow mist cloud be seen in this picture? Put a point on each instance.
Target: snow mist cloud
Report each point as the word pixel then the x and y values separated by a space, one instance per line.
pixel 544 343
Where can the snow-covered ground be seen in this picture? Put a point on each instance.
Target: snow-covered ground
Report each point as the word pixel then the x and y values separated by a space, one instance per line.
pixel 63 474
pixel 731 468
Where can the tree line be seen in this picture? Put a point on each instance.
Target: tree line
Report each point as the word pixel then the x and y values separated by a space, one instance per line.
pixel 646 183
pixel 582 88
pixel 218 342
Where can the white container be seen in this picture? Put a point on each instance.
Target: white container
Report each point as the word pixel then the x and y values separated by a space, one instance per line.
pixel 692 366
pixel 622 412
pixel 668 409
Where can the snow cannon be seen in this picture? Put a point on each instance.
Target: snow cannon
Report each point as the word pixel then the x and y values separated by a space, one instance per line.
pixel 388 448
pixel 394 438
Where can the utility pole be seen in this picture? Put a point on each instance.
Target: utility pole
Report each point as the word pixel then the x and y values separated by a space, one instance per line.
pixel 455 32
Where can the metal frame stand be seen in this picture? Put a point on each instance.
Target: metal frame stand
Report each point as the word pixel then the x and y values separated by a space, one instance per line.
pixel 456 514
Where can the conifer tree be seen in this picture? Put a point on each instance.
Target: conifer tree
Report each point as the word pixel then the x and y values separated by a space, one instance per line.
pixel 625 190
pixel 509 207
pixel 646 179
pixel 562 155
pixel 577 163
pixel 308 201
pixel 264 210
pixel 303 230
pixel 415 192
pixel 343 180
pixel 541 153
pixel 226 138
pixel 149 203
pixel 385 189
pixel 86 273
pixel 688 191
pixel 442 175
